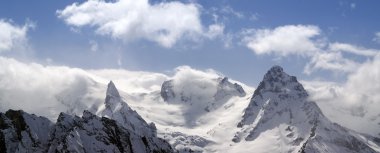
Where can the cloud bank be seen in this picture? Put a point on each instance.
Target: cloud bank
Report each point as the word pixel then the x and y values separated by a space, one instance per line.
pixel 306 41
pixel 164 23
pixel 354 103
pixel 49 90
pixel 44 90
pixel 131 81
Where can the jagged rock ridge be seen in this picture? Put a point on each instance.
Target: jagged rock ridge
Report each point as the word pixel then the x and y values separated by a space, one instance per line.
pixel 115 108
pixel 23 132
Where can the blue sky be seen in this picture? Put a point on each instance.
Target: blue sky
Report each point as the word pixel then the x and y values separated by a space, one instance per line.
pixel 54 40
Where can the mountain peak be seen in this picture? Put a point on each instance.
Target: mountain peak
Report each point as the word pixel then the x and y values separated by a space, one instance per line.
pixel 276 73
pixel 278 81
pixel 224 80
pixel 112 90
pixel 276 93
pixel 280 108
pixel 117 109
pixel 276 68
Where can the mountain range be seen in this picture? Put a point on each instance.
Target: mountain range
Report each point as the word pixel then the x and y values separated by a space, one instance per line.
pixel 197 114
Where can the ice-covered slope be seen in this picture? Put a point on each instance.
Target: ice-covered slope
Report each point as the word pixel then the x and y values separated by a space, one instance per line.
pixel 280 118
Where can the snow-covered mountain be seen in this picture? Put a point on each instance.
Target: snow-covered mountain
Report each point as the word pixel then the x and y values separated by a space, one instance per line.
pixel 280 118
pixel 23 132
pixel 194 111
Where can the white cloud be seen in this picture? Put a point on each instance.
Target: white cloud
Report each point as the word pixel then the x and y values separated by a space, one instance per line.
pixel 44 90
pixel 13 36
pixel 377 37
pixel 354 103
pixel 194 82
pixel 164 22
pixel 333 61
pixel 306 41
pixel 343 47
pixel 321 91
pixel 49 90
pixel 215 30
pixel 132 81
pixel 331 58
pixel 284 40
pixel 363 85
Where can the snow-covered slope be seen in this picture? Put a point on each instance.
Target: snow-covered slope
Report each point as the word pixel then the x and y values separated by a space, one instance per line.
pixel 91 133
pixel 23 132
pixel 205 110
pixel 200 99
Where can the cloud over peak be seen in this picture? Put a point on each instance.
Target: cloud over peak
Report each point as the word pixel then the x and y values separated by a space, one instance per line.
pixel 164 23
pixel 357 100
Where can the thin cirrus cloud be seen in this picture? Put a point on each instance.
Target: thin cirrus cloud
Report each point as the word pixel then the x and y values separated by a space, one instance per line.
pixel 377 37
pixel 164 23
pixel 343 47
pixel 13 36
pixel 306 41
pixel 49 90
